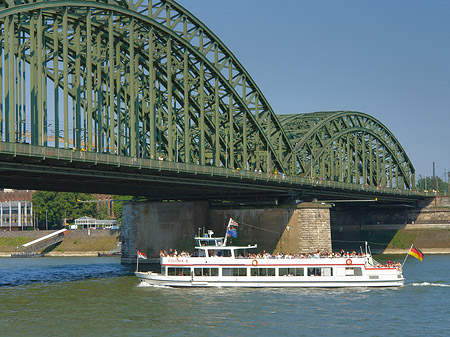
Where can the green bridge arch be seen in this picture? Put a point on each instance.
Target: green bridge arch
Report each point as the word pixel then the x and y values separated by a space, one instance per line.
pixel 146 79
pixel 348 146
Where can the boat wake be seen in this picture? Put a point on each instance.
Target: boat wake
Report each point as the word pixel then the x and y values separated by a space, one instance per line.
pixel 146 285
pixel 428 284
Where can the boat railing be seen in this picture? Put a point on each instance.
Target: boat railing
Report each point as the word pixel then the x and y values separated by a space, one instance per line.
pixel 269 256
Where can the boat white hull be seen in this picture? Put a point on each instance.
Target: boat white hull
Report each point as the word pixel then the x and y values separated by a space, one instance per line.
pixel 266 282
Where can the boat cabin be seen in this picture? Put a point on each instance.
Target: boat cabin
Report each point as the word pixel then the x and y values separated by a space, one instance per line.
pixel 209 246
pixel 223 251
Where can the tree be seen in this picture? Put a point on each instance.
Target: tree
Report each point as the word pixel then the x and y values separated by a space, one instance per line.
pixel 44 208
pixel 429 184
pixel 59 206
pixel 101 213
pixel 118 205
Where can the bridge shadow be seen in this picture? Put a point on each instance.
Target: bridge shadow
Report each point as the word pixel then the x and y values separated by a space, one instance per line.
pixel 378 225
pixel 51 248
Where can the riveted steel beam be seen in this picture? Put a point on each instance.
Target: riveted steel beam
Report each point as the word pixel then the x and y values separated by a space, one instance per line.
pixel 366 147
pixel 147 79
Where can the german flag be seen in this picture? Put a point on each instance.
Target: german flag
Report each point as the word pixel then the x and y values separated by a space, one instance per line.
pixel 416 253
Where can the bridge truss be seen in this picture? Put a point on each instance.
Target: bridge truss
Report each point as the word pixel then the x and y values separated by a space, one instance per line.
pixel 147 80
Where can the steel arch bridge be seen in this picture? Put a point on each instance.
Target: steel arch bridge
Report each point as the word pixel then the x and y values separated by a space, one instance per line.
pixel 146 80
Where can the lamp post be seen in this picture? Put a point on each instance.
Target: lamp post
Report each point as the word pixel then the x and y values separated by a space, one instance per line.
pixel 226 150
pixel 177 144
pixel 446 179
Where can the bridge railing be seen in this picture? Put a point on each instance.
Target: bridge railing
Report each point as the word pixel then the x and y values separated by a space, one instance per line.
pixel 73 155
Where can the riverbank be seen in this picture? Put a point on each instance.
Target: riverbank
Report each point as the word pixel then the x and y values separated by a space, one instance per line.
pixel 393 239
pixel 61 254
pixel 382 239
pixel 82 243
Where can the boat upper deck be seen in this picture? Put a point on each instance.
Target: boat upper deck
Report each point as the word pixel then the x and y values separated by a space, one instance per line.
pixel 214 250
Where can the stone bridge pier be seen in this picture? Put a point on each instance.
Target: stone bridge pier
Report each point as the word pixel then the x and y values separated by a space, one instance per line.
pixel 150 227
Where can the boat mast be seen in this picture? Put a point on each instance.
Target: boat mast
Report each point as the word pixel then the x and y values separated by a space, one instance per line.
pixel 226 230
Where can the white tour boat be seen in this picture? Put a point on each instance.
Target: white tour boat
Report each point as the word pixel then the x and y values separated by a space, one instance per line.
pixel 214 264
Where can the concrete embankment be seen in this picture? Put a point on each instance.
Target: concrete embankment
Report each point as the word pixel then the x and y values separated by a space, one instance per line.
pixel 383 238
pixel 395 239
pixel 75 243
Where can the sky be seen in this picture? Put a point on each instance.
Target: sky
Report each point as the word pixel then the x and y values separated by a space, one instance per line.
pixel 389 59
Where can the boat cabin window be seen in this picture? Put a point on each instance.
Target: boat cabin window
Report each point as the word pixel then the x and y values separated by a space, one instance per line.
pixel 241 253
pixel 320 271
pixel 209 242
pixel 206 271
pixel 200 253
pixel 178 271
pixel 219 252
pixel 262 271
pixel 353 271
pixel 292 272
pixel 234 272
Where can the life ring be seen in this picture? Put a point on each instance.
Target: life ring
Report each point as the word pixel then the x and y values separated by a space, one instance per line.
pixel 349 262
pixel 255 263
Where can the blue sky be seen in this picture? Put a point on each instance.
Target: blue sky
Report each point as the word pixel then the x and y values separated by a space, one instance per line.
pixel 390 59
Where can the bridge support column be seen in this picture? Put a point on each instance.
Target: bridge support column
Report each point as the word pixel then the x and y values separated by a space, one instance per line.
pixel 309 229
pixel 304 229
pixel 151 227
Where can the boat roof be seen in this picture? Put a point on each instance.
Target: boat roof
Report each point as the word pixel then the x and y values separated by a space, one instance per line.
pixel 227 247
pixel 206 236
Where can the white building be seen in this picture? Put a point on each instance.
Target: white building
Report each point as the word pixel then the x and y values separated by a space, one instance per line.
pixel 16 215
pixel 86 222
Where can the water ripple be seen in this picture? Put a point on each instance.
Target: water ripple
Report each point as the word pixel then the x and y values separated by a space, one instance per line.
pixel 427 284
pixel 19 272
pixel 78 297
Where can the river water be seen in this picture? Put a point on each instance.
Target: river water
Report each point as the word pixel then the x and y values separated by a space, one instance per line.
pixel 99 297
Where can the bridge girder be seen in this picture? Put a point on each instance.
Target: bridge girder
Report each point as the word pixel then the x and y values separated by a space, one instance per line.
pixel 145 79
pixel 349 146
pixel 178 92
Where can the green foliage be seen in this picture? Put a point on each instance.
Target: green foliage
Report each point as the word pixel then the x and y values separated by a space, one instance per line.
pixel 57 206
pixel 102 212
pixel 117 206
pixel 429 184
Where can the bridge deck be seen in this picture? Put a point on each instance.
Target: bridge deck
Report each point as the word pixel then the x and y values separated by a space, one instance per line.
pixel 38 167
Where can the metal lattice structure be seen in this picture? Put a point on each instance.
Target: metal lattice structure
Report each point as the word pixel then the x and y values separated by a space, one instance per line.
pixel 146 79
pixel 348 146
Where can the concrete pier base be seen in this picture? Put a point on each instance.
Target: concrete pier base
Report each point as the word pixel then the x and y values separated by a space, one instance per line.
pixel 308 230
pixel 152 227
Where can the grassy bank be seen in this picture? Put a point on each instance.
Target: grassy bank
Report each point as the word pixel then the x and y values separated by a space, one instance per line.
pixel 381 241
pixel 388 241
pixel 432 238
pixel 70 245
pixel 84 244
pixel 9 244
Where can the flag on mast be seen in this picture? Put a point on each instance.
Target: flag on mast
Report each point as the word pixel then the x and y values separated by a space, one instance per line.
pixel 416 253
pixel 142 255
pixel 233 223
pixel 231 230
